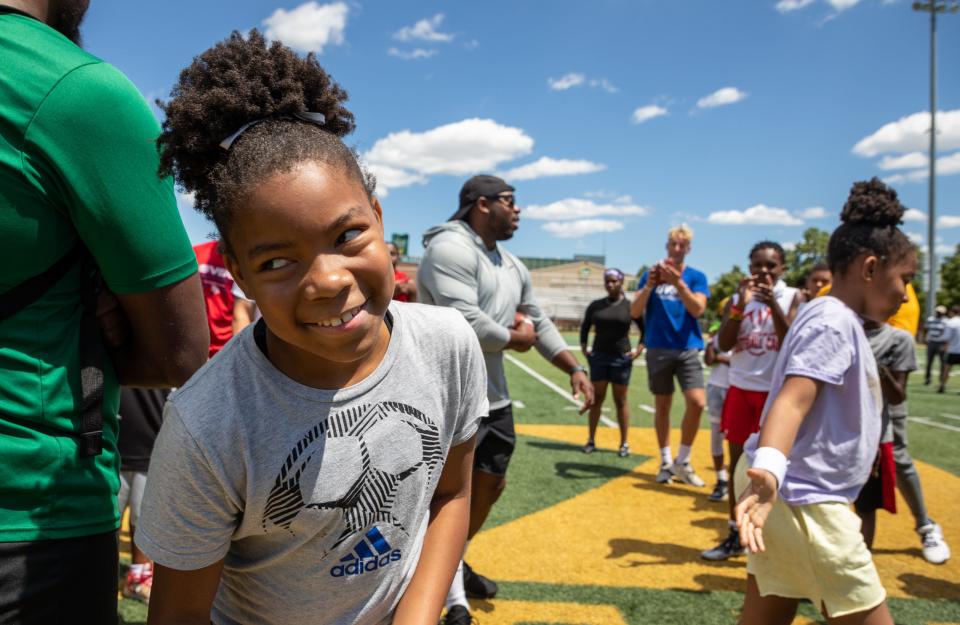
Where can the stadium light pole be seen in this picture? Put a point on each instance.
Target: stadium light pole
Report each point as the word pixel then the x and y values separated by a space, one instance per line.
pixel 933 7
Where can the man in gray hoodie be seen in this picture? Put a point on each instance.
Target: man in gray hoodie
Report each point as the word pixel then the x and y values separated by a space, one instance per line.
pixel 464 267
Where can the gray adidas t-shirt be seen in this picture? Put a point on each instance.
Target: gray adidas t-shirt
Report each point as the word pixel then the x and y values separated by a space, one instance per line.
pixel 318 500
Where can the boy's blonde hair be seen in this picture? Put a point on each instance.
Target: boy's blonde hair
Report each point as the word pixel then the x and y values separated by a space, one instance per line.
pixel 682 232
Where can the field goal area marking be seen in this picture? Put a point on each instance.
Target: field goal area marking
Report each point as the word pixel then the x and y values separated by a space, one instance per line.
pixel 553 387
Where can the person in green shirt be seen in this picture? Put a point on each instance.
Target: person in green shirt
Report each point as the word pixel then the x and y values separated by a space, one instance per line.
pixel 78 165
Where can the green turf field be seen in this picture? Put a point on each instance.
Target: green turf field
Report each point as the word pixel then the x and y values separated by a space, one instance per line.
pixel 580 539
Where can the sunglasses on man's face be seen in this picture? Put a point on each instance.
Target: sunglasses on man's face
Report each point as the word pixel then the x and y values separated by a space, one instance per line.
pixel 509 200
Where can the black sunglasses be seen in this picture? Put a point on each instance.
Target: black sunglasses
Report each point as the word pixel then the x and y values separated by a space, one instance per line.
pixel 509 200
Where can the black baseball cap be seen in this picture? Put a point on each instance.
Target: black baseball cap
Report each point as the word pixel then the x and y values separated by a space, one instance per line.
pixel 476 188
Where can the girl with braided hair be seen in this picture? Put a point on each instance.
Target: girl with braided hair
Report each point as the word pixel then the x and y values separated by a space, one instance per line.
pixel 820 430
pixel 318 469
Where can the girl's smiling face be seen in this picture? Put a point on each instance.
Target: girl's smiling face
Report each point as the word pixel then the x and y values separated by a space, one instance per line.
pixel 308 247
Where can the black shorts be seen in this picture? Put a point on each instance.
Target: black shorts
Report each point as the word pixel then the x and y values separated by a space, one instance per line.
pixel 953 359
pixel 613 368
pixel 496 440
pixel 59 582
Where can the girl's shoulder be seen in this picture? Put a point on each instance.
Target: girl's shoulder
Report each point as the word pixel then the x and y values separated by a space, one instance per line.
pixel 433 324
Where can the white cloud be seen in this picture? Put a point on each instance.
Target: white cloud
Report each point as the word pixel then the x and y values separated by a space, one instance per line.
pixel 567 81
pixel 546 166
pixel 949 221
pixel 814 212
pixel 646 113
pixel 785 6
pixel 912 214
pixel 185 201
pixel 912 134
pixel 465 147
pixel 943 249
pixel 915 238
pixel 789 246
pixel 604 84
pixel 393 178
pixel 424 30
pixel 946 166
pixel 408 55
pixel 309 27
pixel 905 161
pixel 721 97
pixel 842 5
pixel 579 208
pixel 581 227
pixel 759 215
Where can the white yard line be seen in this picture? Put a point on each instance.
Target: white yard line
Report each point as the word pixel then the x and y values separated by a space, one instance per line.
pixel 646 408
pixel 553 387
pixel 950 416
pixel 934 424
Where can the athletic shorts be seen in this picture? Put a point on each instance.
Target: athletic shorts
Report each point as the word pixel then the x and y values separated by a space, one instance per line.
pixel 880 490
pixel 70 581
pixel 664 364
pixel 132 484
pixel 613 368
pixel 715 398
pixel 496 440
pixel 741 414
pixel 952 359
pixel 815 552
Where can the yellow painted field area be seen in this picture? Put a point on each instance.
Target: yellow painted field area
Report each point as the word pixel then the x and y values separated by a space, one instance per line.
pixel 633 532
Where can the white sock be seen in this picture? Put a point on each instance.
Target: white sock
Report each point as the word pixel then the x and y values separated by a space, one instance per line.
pixel 665 456
pixel 456 595
pixel 683 455
pixel 723 475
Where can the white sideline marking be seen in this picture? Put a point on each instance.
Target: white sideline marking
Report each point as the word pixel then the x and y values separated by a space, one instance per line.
pixel 646 408
pixel 566 395
pixel 950 416
pixel 518 404
pixel 934 424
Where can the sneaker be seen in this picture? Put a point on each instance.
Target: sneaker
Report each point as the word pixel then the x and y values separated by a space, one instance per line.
pixel 935 548
pixel 729 548
pixel 719 491
pixel 457 615
pixel 665 474
pixel 624 451
pixel 589 448
pixel 686 473
pixel 477 586
pixel 138 586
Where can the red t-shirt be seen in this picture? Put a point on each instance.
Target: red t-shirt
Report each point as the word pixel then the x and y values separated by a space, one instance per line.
pixel 399 277
pixel 217 294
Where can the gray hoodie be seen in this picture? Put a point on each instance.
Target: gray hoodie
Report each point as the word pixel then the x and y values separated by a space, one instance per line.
pixel 488 287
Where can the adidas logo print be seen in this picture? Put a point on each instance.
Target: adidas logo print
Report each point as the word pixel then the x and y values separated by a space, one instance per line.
pixel 368 555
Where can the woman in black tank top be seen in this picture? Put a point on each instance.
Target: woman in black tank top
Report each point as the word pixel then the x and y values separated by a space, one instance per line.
pixel 610 358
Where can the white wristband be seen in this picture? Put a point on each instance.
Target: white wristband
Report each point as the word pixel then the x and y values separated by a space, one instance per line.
pixel 771 459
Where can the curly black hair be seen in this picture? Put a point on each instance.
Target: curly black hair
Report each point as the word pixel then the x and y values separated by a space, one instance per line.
pixel 768 245
pixel 238 81
pixel 870 218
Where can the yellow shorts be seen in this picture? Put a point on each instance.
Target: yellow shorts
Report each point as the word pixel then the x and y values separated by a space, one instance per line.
pixel 815 552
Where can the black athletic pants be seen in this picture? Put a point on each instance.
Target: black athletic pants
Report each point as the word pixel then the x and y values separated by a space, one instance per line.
pixel 72 581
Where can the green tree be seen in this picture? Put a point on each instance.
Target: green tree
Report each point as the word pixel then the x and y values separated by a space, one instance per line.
pixel 949 293
pixel 805 254
pixel 725 285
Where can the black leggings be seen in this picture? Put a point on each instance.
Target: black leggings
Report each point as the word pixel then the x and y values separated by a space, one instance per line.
pixel 59 582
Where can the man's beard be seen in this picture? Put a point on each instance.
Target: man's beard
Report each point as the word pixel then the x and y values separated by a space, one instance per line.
pixel 66 16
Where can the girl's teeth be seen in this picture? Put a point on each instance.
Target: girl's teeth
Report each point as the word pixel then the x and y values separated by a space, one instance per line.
pixel 347 317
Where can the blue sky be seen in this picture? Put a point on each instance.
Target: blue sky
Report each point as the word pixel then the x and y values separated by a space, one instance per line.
pixel 615 119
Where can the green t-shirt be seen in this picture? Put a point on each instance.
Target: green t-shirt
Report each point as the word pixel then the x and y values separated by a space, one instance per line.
pixel 77 159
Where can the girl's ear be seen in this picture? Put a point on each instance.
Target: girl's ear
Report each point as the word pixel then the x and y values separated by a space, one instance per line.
pixel 234 268
pixel 869 268
pixel 377 209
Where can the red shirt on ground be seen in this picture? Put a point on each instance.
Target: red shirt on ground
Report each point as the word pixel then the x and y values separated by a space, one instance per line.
pixel 217 294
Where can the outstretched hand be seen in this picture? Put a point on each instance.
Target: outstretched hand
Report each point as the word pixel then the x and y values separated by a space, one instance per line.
pixel 582 386
pixel 754 507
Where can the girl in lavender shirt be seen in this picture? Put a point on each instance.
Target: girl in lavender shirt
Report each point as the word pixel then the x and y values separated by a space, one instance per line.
pixel 820 429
